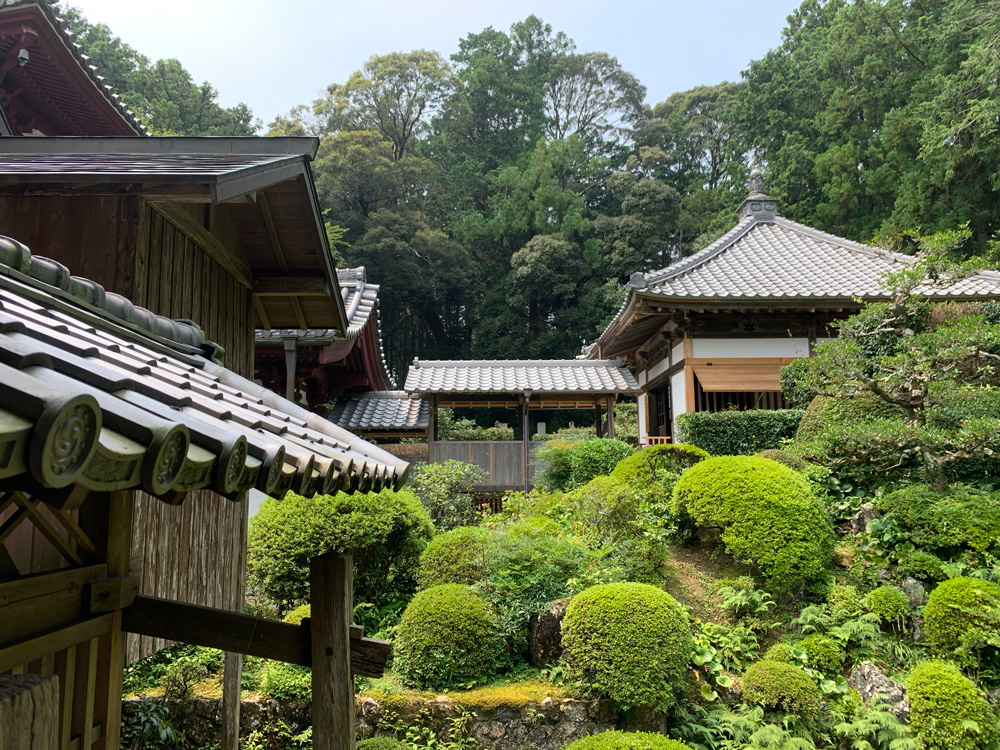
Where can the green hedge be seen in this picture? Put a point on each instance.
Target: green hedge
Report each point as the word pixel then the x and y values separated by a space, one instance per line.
pixel 614 740
pixel 962 613
pixel 738 433
pixel 782 686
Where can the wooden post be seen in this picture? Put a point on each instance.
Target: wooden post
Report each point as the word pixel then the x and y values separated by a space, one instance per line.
pixel 611 416
pixel 331 584
pixel 525 439
pixel 598 422
pixel 118 557
pixel 232 673
pixel 29 712
pixel 291 365
pixel 432 423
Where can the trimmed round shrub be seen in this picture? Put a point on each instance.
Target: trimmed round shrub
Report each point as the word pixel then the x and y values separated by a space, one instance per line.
pixel 780 652
pixel 615 740
pixel 962 612
pixel 784 457
pixel 824 411
pixel 777 685
pixel 297 615
pixel 766 512
pixel 961 517
pixel 381 743
pixel 384 532
pixel 923 565
pixel 845 602
pixel 448 636
pixel 888 603
pixel 943 702
pixel 651 465
pixel 628 641
pixel 824 654
pixel 456 556
pixel 594 458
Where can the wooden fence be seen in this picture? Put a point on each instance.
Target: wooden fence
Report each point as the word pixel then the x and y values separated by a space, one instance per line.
pixel 502 460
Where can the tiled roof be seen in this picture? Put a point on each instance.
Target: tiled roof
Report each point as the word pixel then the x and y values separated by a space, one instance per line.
pixel 99 393
pixel 515 376
pixel 381 410
pixel 360 299
pixel 781 259
pixel 50 9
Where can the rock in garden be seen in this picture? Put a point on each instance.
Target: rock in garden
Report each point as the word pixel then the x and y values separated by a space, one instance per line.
pixel 873 685
pixel 545 634
pixel 915 592
pixel 860 520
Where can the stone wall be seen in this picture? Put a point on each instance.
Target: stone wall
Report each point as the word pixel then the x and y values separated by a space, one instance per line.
pixel 548 724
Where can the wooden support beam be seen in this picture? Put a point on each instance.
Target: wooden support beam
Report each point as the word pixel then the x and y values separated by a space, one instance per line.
pixel 29 712
pixel 272 232
pixel 243 634
pixel 207 241
pixel 290 286
pixel 331 585
pixel 299 315
pixel 265 321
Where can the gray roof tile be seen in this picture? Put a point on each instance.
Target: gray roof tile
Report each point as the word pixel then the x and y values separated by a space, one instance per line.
pixel 515 376
pixel 381 410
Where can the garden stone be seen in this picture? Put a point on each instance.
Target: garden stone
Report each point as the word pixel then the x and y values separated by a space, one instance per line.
pixel 545 634
pixel 917 629
pixel 872 684
pixel 860 521
pixel 574 711
pixel 915 592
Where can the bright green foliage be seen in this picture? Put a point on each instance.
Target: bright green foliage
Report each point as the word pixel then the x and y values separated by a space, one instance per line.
pixel 845 602
pixel 381 743
pixel 962 516
pixel 556 473
pixel 766 512
pixel 921 564
pixel 782 686
pixel 443 487
pixel 614 740
pixel 947 710
pixel 963 613
pixel 629 642
pixel 297 615
pixel 286 681
pixel 651 465
pixel 824 411
pixel 456 556
pixel 594 458
pixel 784 457
pixel 385 533
pixel 448 637
pixel 823 653
pixel 780 652
pixel 738 433
pixel 889 604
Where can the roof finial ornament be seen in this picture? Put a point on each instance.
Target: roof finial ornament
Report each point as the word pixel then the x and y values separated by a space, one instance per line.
pixel 757 204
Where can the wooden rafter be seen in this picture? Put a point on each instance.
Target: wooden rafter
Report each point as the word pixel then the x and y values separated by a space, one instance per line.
pixel 299 315
pixel 272 232
pixel 258 305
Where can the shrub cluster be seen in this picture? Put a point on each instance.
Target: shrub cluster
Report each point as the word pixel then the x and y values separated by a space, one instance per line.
pixel 385 533
pixel 614 740
pixel 456 556
pixel 887 603
pixel 448 636
pixel 594 458
pixel 823 653
pixel 782 686
pixel 962 613
pixel 443 487
pixel 961 517
pixel 766 512
pixel 785 457
pixel 382 743
pixel 629 642
pixel 738 433
pixel 947 710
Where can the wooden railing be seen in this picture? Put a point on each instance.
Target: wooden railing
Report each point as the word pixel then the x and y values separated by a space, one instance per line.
pixel 654 440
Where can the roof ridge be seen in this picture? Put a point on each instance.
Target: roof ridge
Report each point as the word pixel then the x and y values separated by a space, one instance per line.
pixel 684 265
pixel 517 362
pixel 17 261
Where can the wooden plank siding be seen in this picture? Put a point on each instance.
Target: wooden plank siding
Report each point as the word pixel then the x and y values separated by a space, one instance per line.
pixel 193 552
pixel 502 460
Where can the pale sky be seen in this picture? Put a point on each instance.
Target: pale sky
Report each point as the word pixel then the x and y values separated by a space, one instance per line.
pixel 276 54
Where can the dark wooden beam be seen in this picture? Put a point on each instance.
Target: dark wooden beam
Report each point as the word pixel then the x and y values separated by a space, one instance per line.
pixel 207 241
pixel 186 193
pixel 243 634
pixel 284 286
pixel 272 232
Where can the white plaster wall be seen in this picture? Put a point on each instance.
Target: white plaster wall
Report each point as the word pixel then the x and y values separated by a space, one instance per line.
pixel 723 348
pixel 656 370
pixel 677 400
pixel 641 378
pixel 642 415
pixel 677 352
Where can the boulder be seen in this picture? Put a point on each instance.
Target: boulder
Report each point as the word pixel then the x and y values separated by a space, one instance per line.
pixel 545 634
pixel 871 684
pixel 859 521
pixel 914 591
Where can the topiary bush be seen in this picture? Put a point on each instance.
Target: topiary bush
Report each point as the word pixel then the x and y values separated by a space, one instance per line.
pixel 824 654
pixel 594 458
pixel 766 512
pixel 780 652
pixel 782 686
pixel 385 533
pixel 947 710
pixel 297 615
pixel 456 556
pixel 738 433
pixel 921 564
pixel 629 642
pixel 889 604
pixel 614 740
pixel 962 613
pixel 651 465
pixel 961 517
pixel 382 743
pixel 784 457
pixel 448 637
pixel 824 411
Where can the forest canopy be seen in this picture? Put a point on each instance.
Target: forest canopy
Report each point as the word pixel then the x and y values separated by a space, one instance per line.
pixel 501 195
